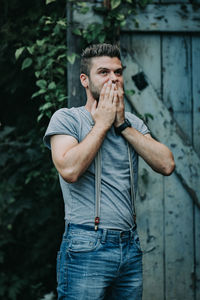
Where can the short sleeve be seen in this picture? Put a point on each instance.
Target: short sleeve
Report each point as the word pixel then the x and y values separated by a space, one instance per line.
pixel 63 121
pixel 137 123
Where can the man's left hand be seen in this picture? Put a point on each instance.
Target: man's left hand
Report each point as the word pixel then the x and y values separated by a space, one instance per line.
pixel 119 119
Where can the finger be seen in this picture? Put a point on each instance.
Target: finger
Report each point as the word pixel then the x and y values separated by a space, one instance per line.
pixel 103 91
pixel 108 90
pixel 115 98
pixel 112 93
pixel 120 93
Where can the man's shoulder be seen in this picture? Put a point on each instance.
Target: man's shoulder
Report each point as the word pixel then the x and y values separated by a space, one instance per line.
pixel 132 117
pixel 65 112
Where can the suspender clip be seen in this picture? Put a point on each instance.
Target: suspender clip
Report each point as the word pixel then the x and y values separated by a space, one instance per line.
pixel 96 223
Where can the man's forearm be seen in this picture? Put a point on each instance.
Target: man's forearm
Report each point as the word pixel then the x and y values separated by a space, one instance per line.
pixel 157 155
pixel 77 159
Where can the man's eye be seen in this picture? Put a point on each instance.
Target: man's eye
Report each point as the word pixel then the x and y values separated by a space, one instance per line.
pixel 103 72
pixel 118 73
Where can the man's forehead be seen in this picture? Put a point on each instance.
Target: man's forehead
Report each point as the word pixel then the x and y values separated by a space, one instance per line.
pixel 106 62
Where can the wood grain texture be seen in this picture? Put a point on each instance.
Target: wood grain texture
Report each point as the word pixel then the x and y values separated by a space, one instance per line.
pixel 196 143
pixel 149 202
pixel 179 243
pixel 179 217
pixel 164 17
pixel 147 101
pixel 76 93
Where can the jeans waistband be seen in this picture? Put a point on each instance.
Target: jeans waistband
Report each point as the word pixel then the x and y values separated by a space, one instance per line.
pixel 105 234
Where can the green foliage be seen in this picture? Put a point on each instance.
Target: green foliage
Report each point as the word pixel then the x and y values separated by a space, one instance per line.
pixel 28 221
pixel 47 55
pixel 32 60
pixel 114 15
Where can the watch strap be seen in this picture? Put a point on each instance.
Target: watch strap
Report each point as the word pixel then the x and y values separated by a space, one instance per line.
pixel 123 126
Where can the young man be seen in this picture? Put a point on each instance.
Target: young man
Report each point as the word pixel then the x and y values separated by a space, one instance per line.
pixel 95 150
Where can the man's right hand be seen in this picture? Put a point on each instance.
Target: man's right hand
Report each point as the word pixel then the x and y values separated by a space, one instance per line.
pixel 104 114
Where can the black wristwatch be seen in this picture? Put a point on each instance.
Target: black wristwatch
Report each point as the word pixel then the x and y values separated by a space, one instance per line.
pixel 123 126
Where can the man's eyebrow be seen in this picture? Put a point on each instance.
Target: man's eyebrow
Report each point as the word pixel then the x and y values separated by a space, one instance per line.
pixel 104 68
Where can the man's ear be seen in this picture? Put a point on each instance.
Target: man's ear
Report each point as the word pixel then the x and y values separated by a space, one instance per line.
pixel 84 80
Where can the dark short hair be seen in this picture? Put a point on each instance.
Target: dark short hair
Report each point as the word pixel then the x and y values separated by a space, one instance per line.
pixel 97 50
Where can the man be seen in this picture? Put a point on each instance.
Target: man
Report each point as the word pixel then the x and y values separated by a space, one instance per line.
pixel 95 149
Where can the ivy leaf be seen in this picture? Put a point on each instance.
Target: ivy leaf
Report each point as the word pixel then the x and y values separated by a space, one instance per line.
pixel 120 17
pixel 41 83
pixel 30 49
pixel 26 63
pixel 71 58
pixel 52 85
pixel 62 23
pixel 40 42
pixel 129 92
pixel 40 92
pixel 77 31
pixel 49 1
pixel 37 74
pixel 18 52
pixel 115 3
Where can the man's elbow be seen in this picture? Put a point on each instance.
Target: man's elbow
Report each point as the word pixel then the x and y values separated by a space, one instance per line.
pixel 69 175
pixel 169 168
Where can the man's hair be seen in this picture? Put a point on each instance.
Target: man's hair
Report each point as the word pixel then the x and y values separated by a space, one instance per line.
pixel 97 50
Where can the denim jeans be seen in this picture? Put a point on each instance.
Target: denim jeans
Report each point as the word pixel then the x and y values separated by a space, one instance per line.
pixel 103 264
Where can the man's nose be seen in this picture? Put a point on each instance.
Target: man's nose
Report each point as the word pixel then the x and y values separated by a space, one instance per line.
pixel 113 77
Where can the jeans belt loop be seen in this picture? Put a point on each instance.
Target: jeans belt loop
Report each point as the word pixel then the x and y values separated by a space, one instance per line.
pixel 104 236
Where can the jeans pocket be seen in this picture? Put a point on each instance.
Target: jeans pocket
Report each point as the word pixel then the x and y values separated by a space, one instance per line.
pixel 58 265
pixel 83 243
pixel 137 241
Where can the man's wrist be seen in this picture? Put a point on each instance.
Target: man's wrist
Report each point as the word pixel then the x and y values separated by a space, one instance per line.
pixel 122 127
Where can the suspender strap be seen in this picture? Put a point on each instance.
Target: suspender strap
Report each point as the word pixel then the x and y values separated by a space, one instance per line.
pixel 97 188
pixel 132 182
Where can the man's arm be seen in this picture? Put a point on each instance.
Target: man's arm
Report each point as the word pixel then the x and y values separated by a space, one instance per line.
pixel 72 158
pixel 157 155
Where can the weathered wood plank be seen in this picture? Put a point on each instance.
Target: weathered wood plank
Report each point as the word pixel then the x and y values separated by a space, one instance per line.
pixel 196 91
pixel 155 17
pixel 149 208
pixel 179 250
pixel 179 218
pixel 184 119
pixel 149 204
pixel 196 142
pixel 76 93
pixel 165 129
pixel 177 1
pixel 146 48
pixel 177 72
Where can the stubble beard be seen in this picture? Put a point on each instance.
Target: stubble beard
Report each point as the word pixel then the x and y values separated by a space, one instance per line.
pixel 95 91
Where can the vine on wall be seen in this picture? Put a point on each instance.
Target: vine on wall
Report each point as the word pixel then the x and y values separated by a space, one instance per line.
pixel 48 54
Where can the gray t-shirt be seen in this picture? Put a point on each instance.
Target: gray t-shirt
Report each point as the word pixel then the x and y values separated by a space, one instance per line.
pixel 116 210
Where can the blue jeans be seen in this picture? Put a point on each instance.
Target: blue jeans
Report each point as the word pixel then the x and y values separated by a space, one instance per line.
pixel 102 264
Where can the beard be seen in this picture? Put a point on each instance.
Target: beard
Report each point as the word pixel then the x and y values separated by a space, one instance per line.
pixel 95 90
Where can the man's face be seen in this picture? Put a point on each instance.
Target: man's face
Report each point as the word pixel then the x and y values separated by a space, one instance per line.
pixel 104 68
